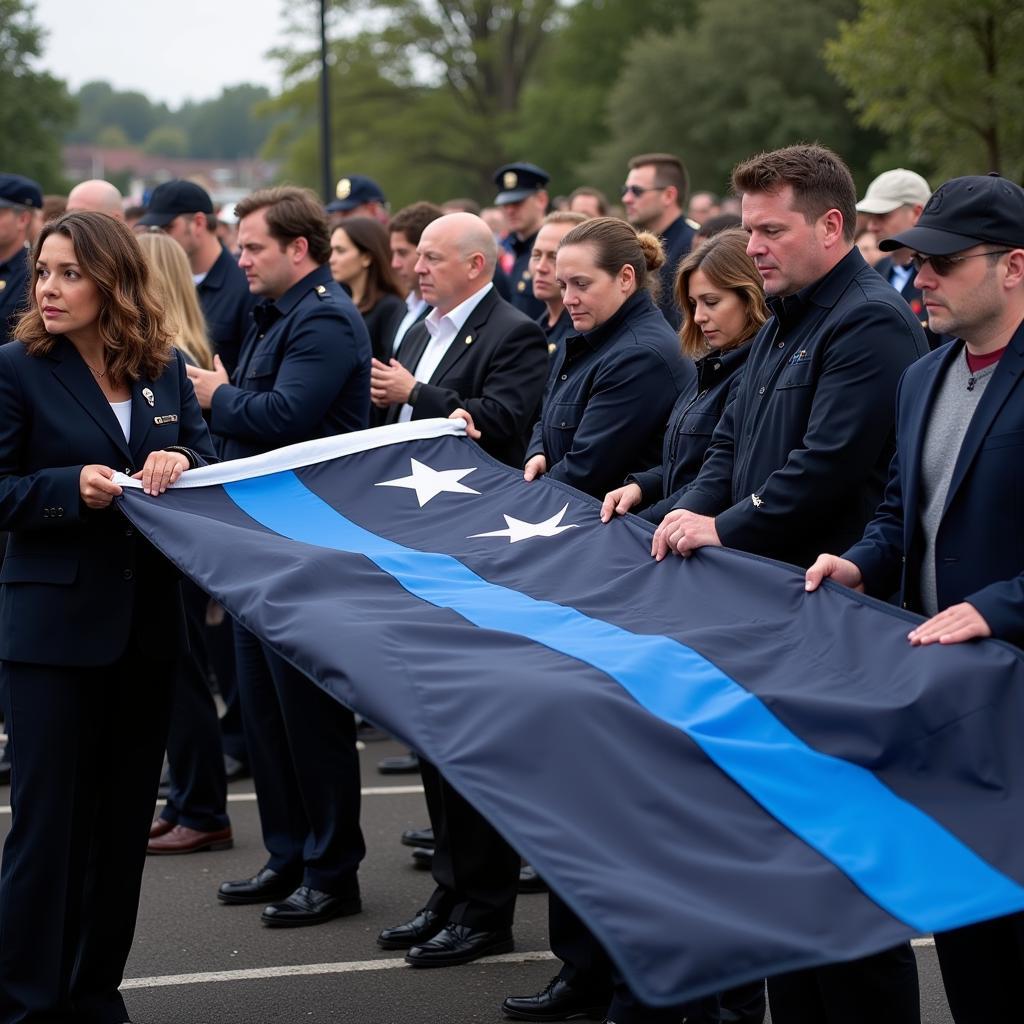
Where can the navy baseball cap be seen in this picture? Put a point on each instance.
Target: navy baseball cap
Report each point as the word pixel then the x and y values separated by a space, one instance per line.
pixel 20 192
pixel 353 190
pixel 979 209
pixel 173 198
pixel 517 181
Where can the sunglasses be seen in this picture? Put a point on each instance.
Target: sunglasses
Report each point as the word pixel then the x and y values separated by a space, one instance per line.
pixel 943 265
pixel 637 191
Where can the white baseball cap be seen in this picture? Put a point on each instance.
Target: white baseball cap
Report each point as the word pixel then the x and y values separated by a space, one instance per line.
pixel 894 189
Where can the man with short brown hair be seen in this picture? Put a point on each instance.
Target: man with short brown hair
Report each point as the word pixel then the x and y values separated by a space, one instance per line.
pixel 654 195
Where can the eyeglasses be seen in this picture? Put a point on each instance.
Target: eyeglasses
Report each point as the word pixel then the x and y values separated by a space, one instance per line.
pixel 943 265
pixel 637 191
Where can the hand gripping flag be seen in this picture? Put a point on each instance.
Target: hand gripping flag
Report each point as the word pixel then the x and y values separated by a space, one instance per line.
pixel 723 776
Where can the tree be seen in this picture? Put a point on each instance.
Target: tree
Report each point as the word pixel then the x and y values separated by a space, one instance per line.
pixel 745 77
pixel 227 127
pixel 565 104
pixel 943 78
pixel 442 82
pixel 35 108
pixel 166 140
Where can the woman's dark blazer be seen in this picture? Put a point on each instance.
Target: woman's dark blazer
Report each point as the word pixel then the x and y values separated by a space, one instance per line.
pixel 382 321
pixel 74 578
pixel 689 431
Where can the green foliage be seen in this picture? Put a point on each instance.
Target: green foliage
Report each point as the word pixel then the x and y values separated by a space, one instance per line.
pixel 746 77
pixel 565 105
pixel 227 127
pixel 943 78
pixel 35 108
pixel 166 140
pixel 101 106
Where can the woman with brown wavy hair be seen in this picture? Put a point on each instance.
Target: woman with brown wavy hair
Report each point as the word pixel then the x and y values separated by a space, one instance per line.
pixel 720 292
pixel 90 614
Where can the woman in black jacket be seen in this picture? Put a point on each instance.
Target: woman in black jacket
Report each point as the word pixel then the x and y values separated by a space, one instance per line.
pixel 361 261
pixel 722 297
pixel 91 620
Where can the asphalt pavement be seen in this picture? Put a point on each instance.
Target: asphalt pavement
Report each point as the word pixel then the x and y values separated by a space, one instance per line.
pixel 197 961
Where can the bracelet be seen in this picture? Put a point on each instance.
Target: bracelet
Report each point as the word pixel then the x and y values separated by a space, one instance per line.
pixel 193 459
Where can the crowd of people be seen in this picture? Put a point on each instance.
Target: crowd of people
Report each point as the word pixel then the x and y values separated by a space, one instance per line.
pixel 787 371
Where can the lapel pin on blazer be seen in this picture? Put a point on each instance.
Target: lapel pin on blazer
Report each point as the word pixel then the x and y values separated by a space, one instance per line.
pixel 469 339
pixel 161 420
pixel 148 396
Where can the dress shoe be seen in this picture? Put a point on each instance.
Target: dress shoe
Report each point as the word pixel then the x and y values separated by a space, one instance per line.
pixel 309 906
pixel 235 769
pixel 422 859
pixel 559 1001
pixel 425 925
pixel 266 885
pixel 160 827
pixel 530 881
pixel 423 837
pixel 181 839
pixel 406 764
pixel 459 944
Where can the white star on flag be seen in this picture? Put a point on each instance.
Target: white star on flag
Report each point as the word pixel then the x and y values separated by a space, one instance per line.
pixel 429 483
pixel 519 530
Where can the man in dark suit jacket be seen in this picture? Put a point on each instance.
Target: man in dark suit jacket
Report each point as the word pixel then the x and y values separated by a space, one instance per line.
pixel 947 533
pixel 303 373
pixel 474 351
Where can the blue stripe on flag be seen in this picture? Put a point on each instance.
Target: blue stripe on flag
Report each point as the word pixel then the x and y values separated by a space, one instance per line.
pixel 904 860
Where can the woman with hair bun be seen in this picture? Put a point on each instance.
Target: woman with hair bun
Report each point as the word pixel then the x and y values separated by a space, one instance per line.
pixel 609 395
pixel 91 624
pixel 721 294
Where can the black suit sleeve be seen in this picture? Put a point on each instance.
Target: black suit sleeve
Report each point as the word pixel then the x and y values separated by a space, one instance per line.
pixel 510 392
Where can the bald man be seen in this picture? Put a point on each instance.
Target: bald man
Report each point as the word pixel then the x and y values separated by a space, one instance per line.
pixel 473 351
pixel 96 196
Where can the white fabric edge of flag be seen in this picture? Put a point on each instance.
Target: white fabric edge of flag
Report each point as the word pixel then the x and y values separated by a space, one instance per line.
pixel 308 453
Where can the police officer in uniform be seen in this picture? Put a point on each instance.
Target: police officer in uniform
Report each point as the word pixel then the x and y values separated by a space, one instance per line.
pixel 523 199
pixel 304 373
pixel 19 198
pixel 355 195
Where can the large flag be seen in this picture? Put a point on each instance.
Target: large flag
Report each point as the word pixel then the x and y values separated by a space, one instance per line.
pixel 725 777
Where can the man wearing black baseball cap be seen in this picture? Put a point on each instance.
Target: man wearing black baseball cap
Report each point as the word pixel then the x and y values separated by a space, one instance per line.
pixel 184 210
pixel 20 198
pixel 523 199
pixel 946 535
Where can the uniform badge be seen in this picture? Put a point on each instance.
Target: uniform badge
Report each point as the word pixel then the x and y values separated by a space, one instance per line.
pixel 161 420
pixel 3 285
pixel 148 396
pixel 510 179
pixel 469 339
pixel 321 289
pixel 521 287
pixel 344 189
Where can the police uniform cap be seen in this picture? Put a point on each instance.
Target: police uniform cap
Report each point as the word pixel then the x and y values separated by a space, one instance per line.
pixel 172 199
pixel 353 190
pixel 978 209
pixel 18 191
pixel 517 181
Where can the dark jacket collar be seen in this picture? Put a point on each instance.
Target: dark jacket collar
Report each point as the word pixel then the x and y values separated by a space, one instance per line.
pixel 716 365
pixel 217 274
pixel 271 310
pixel 638 303
pixel 825 292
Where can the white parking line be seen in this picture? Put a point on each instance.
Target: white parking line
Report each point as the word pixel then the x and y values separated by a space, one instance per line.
pixel 305 970
pixel 244 798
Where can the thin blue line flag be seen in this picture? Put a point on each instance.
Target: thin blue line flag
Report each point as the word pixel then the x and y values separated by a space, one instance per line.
pixel 724 776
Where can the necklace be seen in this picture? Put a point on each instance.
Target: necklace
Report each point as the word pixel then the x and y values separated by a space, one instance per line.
pixel 99 373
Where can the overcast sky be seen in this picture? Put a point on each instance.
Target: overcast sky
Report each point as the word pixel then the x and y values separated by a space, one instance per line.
pixel 171 51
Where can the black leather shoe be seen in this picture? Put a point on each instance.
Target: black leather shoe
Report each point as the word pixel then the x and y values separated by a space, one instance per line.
pixel 459 944
pixel 530 881
pixel 406 764
pixel 559 1001
pixel 422 859
pixel 309 906
pixel 264 886
pixel 422 837
pixel 425 925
